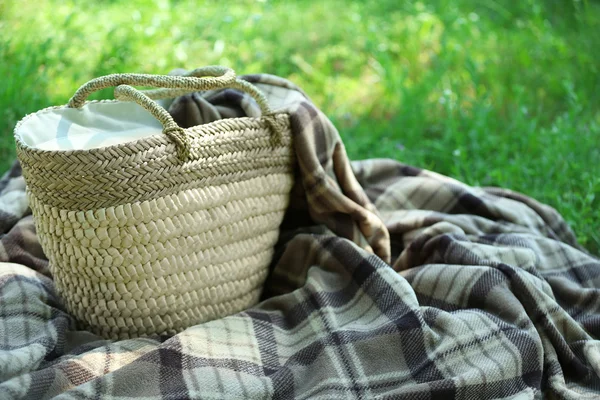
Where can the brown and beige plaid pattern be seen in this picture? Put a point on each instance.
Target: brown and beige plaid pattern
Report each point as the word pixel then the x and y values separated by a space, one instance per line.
pixel 486 293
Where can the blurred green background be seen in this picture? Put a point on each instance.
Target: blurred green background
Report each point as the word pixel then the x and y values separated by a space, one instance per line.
pixel 503 93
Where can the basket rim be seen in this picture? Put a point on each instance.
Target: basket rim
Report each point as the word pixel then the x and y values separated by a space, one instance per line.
pixel 146 142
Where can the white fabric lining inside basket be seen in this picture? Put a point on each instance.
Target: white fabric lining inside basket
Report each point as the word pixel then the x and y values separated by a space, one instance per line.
pixel 93 126
pixel 108 123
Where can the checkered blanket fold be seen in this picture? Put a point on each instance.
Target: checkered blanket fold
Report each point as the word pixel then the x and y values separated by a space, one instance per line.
pixel 389 282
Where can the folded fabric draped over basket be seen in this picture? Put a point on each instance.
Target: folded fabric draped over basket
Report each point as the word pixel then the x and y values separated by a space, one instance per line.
pixel 325 178
pixel 494 298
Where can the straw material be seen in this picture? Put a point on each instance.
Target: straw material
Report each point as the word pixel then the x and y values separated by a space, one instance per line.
pixel 143 243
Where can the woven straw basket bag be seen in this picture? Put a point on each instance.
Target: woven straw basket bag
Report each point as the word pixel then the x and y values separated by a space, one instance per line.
pixel 151 228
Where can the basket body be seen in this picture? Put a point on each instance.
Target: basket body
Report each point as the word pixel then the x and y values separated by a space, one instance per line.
pixel 141 243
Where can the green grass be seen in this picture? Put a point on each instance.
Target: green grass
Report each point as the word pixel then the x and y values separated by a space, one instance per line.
pixel 502 93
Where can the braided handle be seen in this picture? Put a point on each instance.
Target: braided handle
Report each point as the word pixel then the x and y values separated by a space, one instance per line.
pixel 170 127
pixel 213 77
pixel 168 93
pixel 207 78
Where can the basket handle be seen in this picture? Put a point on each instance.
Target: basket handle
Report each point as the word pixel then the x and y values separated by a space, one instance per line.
pixel 244 86
pixel 207 78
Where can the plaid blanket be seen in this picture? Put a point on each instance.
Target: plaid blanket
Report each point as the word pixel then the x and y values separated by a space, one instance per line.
pixel 389 281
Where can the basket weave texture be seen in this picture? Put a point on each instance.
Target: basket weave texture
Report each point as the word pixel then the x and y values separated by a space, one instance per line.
pixel 141 242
